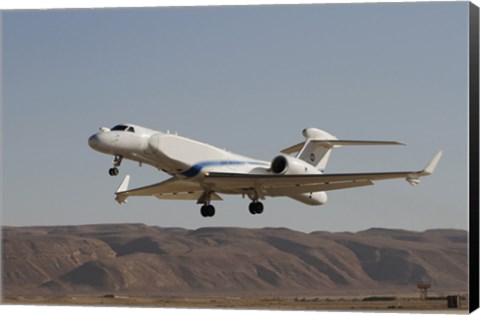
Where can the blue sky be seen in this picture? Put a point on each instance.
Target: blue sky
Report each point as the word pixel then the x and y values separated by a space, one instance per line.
pixel 248 79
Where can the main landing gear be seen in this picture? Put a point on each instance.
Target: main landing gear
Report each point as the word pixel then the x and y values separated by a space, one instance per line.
pixel 207 211
pixel 116 163
pixel 255 207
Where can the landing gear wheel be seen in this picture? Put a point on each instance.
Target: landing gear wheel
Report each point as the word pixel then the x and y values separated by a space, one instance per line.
pixel 259 208
pixel 116 163
pixel 251 208
pixel 255 207
pixel 210 210
pixel 113 171
pixel 203 211
pixel 207 211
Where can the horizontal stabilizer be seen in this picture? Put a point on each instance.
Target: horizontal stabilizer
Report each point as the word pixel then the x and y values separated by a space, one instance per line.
pixel 294 148
pixel 336 143
pixel 361 142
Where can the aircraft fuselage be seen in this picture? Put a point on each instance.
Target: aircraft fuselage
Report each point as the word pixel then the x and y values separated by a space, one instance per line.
pixel 173 154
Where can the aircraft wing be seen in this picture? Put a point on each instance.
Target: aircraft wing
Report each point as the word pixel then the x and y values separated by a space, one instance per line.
pixel 276 185
pixel 271 184
pixel 172 189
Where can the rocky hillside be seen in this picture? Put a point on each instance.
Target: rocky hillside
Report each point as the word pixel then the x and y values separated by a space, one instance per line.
pixel 137 259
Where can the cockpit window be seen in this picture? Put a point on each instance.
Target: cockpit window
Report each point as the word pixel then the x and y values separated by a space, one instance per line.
pixel 119 128
pixel 123 128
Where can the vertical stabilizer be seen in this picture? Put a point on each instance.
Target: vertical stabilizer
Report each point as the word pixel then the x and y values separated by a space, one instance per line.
pixel 316 149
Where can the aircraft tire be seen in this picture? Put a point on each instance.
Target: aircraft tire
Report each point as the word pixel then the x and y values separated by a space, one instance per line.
pixel 207 211
pixel 251 208
pixel 113 171
pixel 255 207
pixel 210 210
pixel 203 211
pixel 259 208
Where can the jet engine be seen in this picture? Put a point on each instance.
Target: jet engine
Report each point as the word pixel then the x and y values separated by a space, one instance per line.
pixel 284 164
pixel 288 165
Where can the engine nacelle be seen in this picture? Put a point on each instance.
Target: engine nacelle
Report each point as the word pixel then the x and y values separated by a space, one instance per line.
pixel 284 164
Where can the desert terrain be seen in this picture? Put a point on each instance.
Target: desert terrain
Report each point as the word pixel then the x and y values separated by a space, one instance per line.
pixel 273 268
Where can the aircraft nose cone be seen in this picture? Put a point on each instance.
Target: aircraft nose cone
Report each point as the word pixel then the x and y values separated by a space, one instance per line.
pixel 93 141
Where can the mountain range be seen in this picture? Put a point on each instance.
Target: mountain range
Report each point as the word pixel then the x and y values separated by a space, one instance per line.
pixel 141 260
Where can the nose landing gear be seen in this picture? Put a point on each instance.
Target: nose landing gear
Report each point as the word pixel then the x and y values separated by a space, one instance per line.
pixel 113 171
pixel 116 163
pixel 207 210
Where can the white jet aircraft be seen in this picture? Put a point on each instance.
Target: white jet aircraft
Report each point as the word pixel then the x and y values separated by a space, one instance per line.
pixel 201 172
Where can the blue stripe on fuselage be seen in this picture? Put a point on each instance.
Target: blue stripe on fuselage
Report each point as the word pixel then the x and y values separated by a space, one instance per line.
pixel 195 169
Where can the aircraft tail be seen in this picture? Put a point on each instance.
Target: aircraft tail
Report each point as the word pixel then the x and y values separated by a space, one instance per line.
pixel 318 144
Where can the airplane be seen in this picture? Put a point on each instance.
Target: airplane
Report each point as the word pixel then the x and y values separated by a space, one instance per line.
pixel 202 172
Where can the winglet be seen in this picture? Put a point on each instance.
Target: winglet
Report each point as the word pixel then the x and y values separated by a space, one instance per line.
pixel 433 164
pixel 414 178
pixel 122 198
